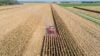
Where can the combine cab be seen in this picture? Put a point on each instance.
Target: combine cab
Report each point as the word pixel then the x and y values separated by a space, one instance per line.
pixel 51 30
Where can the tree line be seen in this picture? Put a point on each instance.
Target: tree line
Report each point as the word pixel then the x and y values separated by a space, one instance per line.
pixel 8 2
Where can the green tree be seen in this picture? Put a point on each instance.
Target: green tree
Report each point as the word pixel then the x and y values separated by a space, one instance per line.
pixel 8 2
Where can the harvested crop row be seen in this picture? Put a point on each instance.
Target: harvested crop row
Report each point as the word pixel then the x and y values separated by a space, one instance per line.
pixel 86 41
pixel 61 44
pixel 10 21
pixel 14 42
pixel 18 9
pixel 17 30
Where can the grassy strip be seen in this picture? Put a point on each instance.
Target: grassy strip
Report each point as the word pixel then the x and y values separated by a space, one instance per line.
pixel 88 17
pixel 78 4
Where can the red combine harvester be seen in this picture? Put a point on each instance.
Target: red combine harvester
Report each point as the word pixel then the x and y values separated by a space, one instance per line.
pixel 51 30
